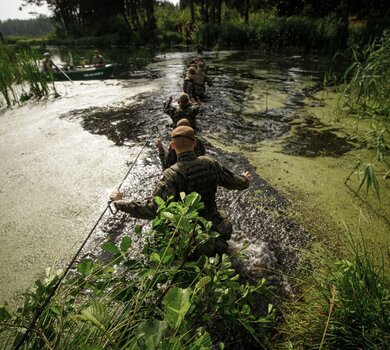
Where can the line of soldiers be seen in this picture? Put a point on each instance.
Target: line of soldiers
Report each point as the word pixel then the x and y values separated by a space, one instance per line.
pixel 187 168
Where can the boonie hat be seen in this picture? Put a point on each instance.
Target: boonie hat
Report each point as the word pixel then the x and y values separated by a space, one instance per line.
pixel 183 131
pixel 183 121
pixel 46 54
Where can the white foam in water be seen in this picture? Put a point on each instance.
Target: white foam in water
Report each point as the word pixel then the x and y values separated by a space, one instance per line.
pixel 260 258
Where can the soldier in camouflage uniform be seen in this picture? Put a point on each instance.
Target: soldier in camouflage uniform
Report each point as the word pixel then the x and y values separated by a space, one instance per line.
pixel 188 84
pixel 200 80
pixel 185 109
pixel 191 174
pixel 169 157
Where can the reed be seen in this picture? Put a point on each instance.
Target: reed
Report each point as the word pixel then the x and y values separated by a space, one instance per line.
pixel 346 304
pixel 367 87
pixel 20 76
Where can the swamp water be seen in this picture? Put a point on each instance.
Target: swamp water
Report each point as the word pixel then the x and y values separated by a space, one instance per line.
pixel 61 158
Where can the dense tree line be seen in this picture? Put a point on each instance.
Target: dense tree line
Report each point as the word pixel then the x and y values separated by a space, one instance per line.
pixel 30 27
pixel 136 20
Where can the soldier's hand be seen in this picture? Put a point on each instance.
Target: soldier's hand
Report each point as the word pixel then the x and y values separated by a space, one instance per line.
pixel 116 196
pixel 158 143
pixel 248 175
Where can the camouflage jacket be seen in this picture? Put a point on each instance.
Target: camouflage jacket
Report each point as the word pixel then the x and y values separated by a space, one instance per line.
pixel 169 157
pixel 190 174
pixel 176 113
pixel 200 80
pixel 188 87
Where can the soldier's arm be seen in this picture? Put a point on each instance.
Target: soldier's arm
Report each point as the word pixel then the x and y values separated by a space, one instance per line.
pixel 199 148
pixel 147 209
pixel 208 81
pixel 168 106
pixel 229 180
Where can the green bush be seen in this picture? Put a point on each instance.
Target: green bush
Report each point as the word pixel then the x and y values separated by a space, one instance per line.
pixel 160 300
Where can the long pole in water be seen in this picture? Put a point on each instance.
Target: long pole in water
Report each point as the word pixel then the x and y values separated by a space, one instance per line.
pixel 66 75
pixel 56 286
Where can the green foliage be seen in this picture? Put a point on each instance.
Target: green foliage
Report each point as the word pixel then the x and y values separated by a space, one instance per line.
pixel 163 300
pixel 346 306
pixel 20 76
pixel 367 86
pixel 30 27
pixel 274 32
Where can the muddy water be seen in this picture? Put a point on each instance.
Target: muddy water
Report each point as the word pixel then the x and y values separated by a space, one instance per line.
pixel 61 159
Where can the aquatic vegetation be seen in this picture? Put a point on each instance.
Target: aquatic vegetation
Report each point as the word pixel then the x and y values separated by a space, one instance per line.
pixel 346 304
pixel 159 300
pixel 367 87
pixel 20 76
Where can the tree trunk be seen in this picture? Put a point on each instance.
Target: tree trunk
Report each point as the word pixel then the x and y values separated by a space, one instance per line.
pixel 343 36
pixel 134 16
pixel 212 11
pixel 219 11
pixel 246 11
pixel 204 11
pixel 192 12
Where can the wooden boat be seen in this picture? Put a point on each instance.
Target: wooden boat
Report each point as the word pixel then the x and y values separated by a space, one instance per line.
pixel 85 73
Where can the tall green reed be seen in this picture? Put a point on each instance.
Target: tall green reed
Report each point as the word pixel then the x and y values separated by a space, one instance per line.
pixel 20 76
pixel 346 304
pixel 367 87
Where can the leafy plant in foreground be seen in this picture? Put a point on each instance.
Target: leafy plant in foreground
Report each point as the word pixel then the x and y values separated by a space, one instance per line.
pixel 161 300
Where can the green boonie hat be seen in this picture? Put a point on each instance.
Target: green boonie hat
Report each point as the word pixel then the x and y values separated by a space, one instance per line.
pixel 184 131
pixel 184 97
pixel 183 121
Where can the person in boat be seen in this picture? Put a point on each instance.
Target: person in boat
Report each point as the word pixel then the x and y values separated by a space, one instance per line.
pixel 185 109
pixel 169 157
pixel 191 173
pixel 200 80
pixel 188 84
pixel 48 64
pixel 98 60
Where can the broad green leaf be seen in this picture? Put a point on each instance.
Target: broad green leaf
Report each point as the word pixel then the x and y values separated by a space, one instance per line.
pixel 149 333
pixel 155 257
pixel 171 344
pixel 85 266
pixel 110 247
pixel 96 314
pixel 202 343
pixel 176 305
pixel 125 244
pixel 203 282
pixel 168 215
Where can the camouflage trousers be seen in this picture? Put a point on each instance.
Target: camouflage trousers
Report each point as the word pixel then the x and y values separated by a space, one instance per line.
pixel 218 245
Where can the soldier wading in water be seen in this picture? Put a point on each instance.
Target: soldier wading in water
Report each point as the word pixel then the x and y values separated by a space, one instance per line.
pixel 191 174
pixel 185 109
pixel 169 157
